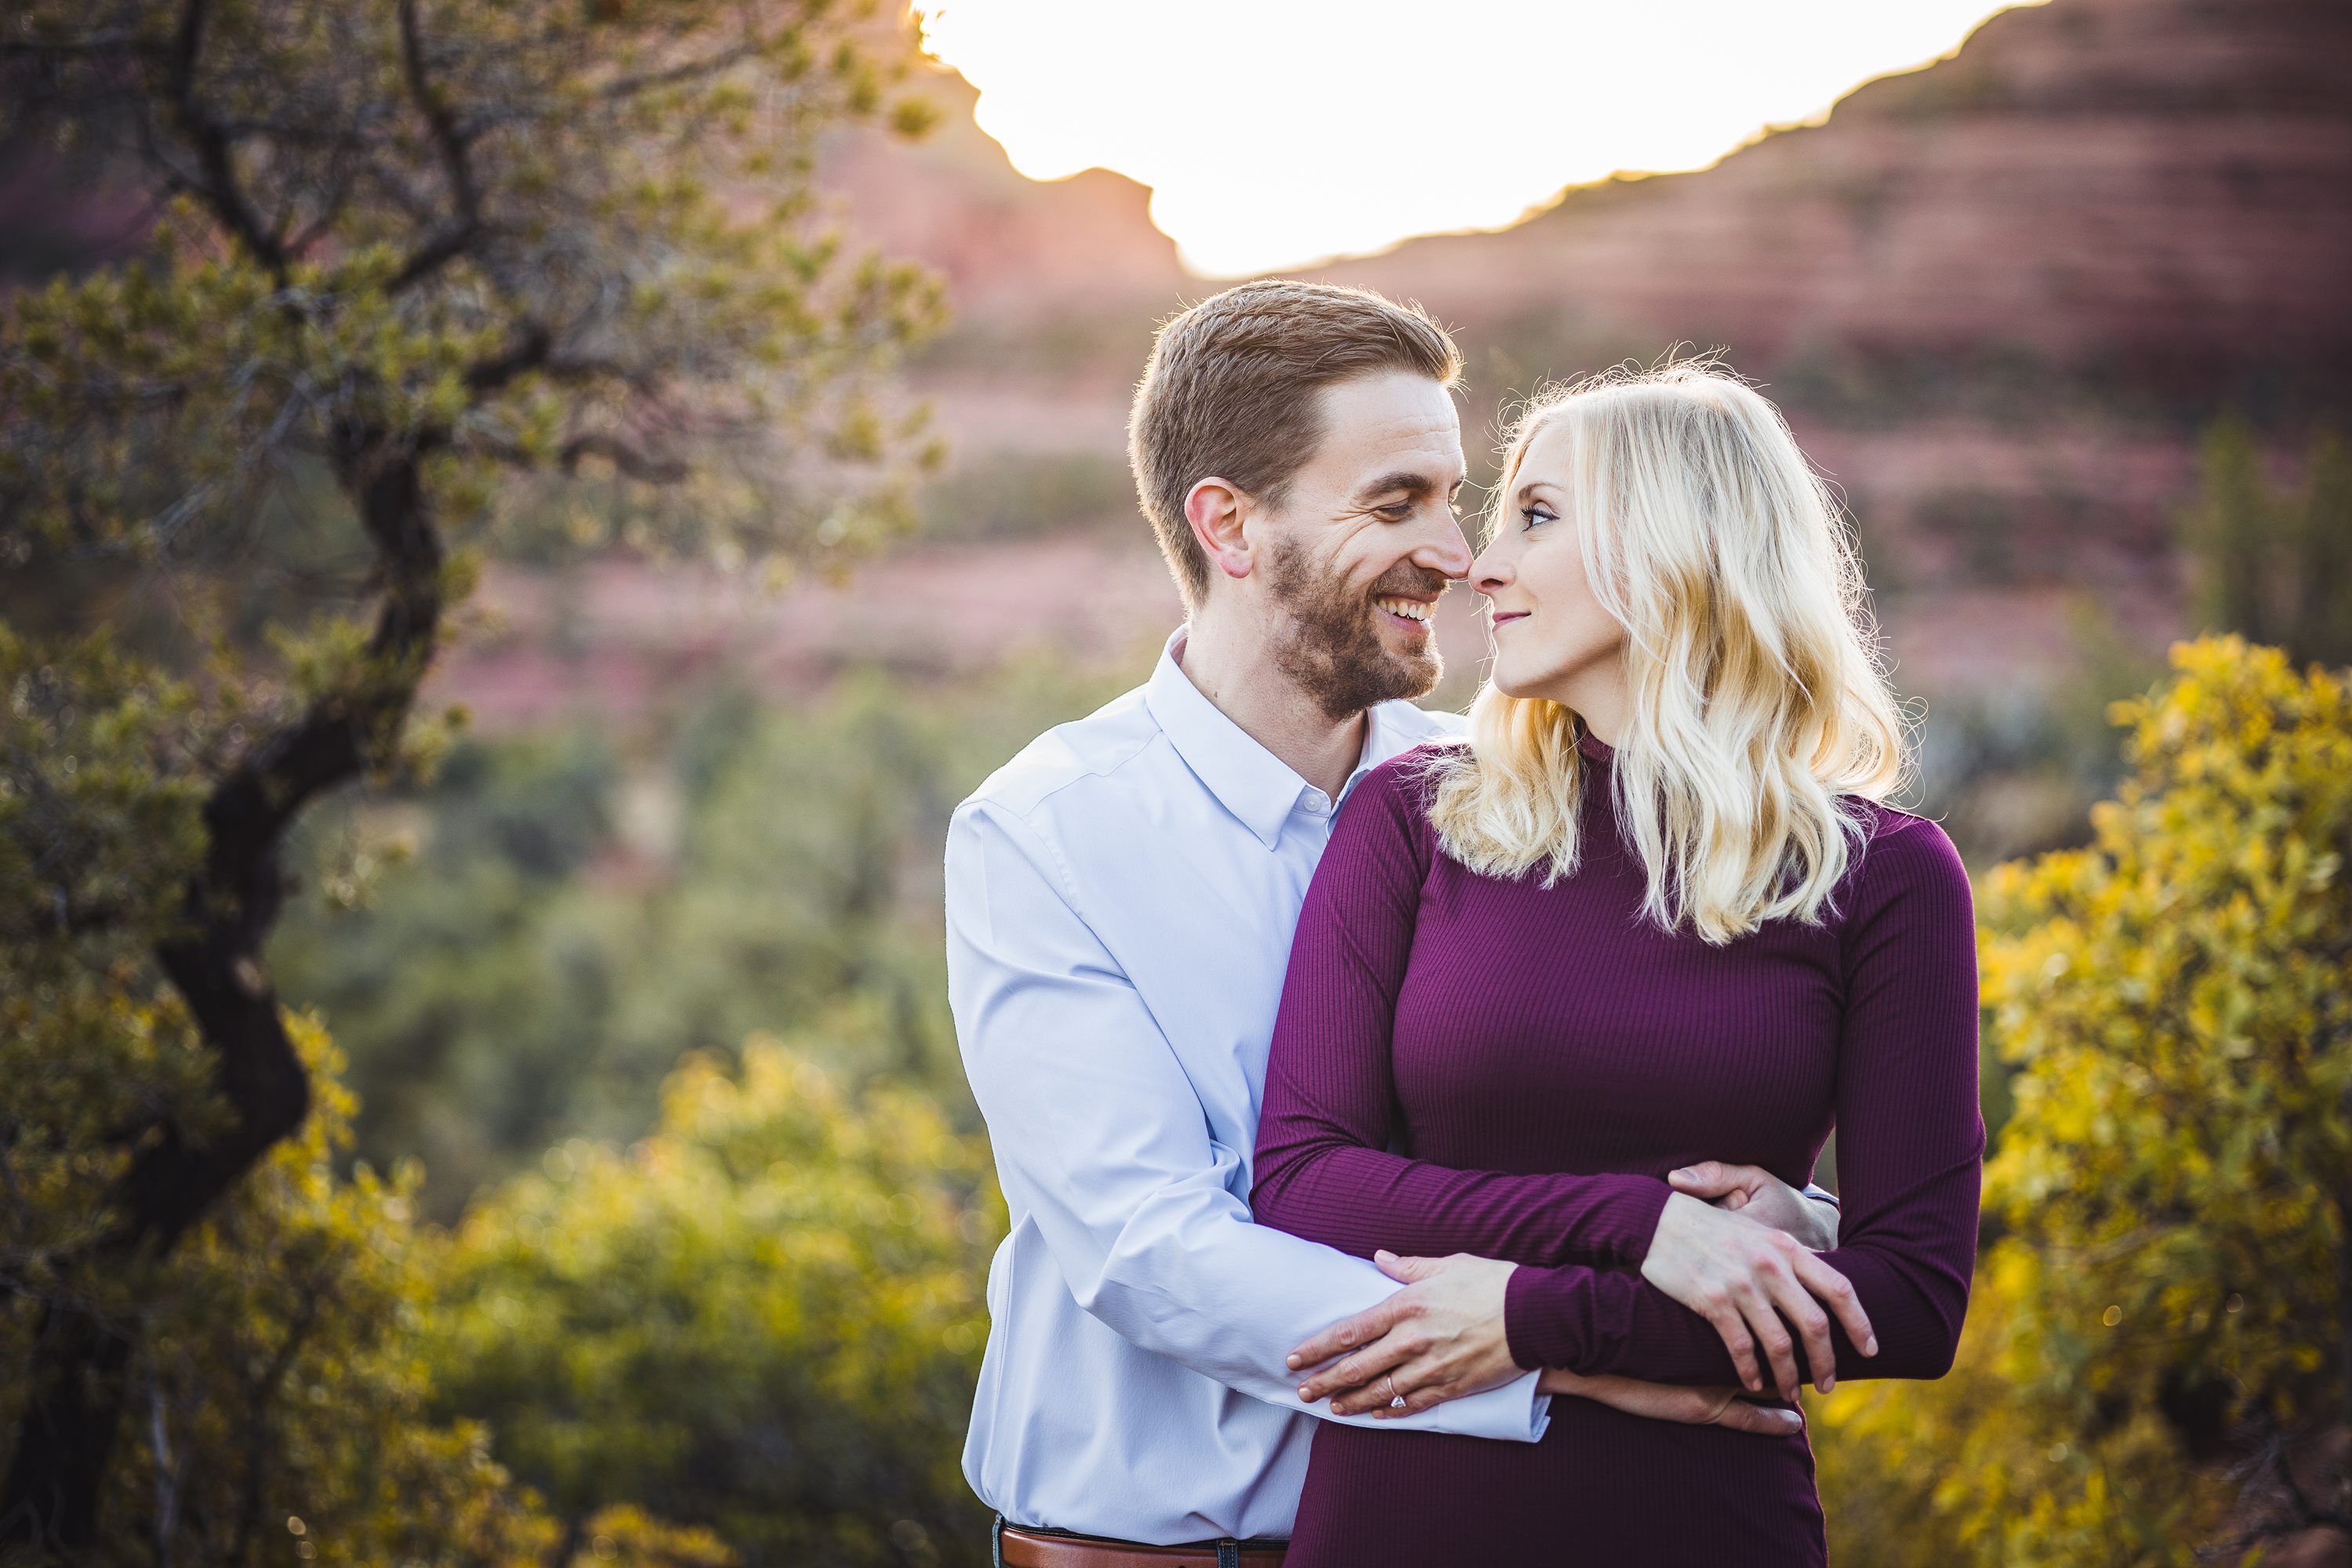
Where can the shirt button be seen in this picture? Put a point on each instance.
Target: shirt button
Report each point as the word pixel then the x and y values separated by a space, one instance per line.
pixel 1318 803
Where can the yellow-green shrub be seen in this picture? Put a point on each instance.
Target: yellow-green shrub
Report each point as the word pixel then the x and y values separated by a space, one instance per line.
pixel 2158 1296
pixel 765 1317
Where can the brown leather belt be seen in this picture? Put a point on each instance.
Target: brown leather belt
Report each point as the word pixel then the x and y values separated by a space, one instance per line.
pixel 1019 1548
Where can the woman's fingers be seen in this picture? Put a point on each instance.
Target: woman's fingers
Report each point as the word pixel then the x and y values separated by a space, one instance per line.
pixel 1737 1340
pixel 1837 1293
pixel 1348 1333
pixel 1763 1420
pixel 1359 1369
pixel 1421 1381
pixel 1771 1336
pixel 1798 1306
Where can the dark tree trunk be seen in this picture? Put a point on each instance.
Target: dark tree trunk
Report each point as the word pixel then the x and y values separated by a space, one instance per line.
pixel 2344 1307
pixel 52 1496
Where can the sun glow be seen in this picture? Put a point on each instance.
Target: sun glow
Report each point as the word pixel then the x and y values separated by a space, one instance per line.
pixel 1278 132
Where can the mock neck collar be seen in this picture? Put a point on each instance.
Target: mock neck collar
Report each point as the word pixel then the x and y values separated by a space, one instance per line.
pixel 1259 788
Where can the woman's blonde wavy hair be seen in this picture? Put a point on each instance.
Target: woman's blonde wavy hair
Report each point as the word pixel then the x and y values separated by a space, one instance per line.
pixel 1760 713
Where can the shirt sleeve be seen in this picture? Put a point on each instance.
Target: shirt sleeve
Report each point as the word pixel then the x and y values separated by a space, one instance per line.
pixel 1911 1146
pixel 1323 1169
pixel 1101 1140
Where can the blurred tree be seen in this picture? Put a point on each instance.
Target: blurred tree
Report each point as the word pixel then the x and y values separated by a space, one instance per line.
pixel 764 1318
pixel 2274 568
pixel 283 1397
pixel 403 248
pixel 528 971
pixel 2158 1364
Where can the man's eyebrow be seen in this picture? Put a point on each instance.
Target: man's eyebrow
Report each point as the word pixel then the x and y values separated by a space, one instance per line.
pixel 1412 484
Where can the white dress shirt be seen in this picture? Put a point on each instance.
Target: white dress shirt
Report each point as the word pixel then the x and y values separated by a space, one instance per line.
pixel 1120 899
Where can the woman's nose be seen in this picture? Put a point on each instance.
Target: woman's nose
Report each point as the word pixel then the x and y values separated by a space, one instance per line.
pixel 1489 572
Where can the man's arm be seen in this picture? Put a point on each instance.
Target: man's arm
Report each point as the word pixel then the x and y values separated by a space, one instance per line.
pixel 1100 1138
pixel 1809 1214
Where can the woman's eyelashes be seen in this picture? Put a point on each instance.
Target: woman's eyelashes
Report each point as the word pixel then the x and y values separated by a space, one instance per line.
pixel 1536 512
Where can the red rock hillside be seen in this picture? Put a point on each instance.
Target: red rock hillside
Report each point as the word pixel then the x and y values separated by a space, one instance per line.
pixel 1998 296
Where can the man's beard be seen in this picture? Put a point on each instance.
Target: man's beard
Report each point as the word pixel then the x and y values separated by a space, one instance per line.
pixel 1331 649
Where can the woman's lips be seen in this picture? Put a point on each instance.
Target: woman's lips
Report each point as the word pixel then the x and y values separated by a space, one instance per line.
pixel 1503 618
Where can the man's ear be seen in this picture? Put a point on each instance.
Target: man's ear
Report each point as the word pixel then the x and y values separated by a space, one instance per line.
pixel 1219 512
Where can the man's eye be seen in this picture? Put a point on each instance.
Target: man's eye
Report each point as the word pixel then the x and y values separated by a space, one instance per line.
pixel 1396 511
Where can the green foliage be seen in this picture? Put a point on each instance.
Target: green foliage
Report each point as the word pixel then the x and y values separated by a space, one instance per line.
pixel 540 961
pixel 280 1393
pixel 536 236
pixel 412 264
pixel 99 825
pixel 283 1395
pixel 766 1316
pixel 2163 1294
pixel 2275 567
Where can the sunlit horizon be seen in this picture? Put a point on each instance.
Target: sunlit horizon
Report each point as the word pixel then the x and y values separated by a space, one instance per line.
pixel 1278 133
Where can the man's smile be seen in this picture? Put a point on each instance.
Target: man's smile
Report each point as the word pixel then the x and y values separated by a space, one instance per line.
pixel 1415 611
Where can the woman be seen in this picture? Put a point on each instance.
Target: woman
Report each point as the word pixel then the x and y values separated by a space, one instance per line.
pixel 1654 912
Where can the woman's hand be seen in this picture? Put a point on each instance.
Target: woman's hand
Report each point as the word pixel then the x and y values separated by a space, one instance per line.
pixel 1742 1276
pixel 1667 1402
pixel 1439 1338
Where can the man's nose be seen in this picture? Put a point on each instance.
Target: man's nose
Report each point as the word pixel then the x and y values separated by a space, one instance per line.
pixel 1446 551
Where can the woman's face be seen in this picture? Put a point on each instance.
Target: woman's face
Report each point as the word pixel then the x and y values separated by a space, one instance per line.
pixel 1551 637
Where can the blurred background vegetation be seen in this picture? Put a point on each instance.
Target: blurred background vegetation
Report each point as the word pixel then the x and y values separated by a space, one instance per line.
pixel 633 1208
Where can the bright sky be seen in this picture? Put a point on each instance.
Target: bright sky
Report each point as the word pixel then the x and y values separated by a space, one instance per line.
pixel 1276 132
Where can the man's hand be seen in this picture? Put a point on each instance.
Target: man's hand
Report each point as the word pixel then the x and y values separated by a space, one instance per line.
pixel 1667 1402
pixel 1742 1276
pixel 1439 1338
pixel 1763 1197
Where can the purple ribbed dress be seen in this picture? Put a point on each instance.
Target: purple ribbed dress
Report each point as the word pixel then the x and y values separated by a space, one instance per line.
pixel 1543 1057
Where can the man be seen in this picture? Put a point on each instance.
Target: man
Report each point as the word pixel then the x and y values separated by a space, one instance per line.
pixel 1120 901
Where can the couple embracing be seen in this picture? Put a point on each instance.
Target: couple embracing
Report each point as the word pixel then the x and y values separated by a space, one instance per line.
pixel 1407 1125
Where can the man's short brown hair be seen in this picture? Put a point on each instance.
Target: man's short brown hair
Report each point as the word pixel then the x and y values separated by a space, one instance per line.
pixel 1231 392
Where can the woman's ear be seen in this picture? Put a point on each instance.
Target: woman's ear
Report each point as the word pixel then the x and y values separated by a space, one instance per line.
pixel 1218 512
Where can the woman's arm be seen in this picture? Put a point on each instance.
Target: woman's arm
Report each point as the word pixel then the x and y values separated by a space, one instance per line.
pixel 1910 1154
pixel 1322 1169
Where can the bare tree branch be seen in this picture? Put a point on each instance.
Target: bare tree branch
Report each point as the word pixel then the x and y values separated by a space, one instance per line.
pixel 220 188
pixel 457 165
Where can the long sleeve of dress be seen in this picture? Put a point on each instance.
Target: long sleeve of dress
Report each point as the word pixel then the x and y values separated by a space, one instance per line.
pixel 1910 1153
pixel 1322 1168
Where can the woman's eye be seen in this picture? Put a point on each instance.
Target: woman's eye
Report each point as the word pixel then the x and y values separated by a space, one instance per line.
pixel 1540 513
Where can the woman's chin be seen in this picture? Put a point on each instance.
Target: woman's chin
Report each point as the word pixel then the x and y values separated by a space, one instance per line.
pixel 1503 681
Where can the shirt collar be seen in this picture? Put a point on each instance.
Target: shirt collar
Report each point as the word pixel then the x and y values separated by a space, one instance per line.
pixel 1258 787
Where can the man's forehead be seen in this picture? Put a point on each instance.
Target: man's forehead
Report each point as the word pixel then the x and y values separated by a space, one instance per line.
pixel 1383 431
